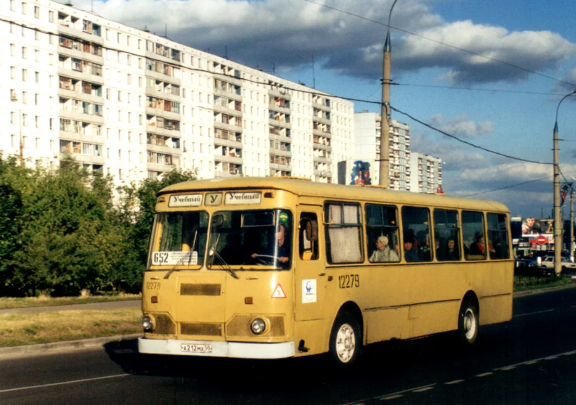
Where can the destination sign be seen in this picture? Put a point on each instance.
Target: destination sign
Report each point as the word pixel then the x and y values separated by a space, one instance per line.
pixel 174 258
pixel 185 200
pixel 243 198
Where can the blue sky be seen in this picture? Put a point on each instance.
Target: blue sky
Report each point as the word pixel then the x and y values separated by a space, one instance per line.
pixel 496 109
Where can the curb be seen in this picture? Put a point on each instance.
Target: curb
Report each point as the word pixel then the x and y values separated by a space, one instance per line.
pixel 49 348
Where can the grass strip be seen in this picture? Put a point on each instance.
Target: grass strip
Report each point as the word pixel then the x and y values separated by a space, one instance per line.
pixel 7 303
pixel 534 283
pixel 45 327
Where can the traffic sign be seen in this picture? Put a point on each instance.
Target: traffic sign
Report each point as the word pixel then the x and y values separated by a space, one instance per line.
pixel 542 240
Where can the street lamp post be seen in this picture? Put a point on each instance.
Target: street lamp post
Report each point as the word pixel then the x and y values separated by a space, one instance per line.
pixel 557 219
pixel 385 108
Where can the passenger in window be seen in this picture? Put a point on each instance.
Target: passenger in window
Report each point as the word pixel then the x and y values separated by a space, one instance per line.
pixel 477 247
pixel 383 252
pixel 424 252
pixel 410 251
pixel 451 253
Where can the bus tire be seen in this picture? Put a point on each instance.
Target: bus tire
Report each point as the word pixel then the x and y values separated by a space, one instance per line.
pixel 345 340
pixel 468 323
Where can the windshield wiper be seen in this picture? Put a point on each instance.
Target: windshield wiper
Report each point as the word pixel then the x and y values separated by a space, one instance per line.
pixel 183 259
pixel 213 253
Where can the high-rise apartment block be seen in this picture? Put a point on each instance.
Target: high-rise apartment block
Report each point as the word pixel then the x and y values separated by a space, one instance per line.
pixel 426 173
pixel 367 146
pixel 132 104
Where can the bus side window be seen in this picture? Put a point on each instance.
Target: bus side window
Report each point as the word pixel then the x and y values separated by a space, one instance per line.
pixel 416 238
pixel 308 236
pixel 473 235
pixel 498 236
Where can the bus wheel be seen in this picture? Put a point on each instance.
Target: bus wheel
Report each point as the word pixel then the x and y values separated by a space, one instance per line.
pixel 345 340
pixel 468 324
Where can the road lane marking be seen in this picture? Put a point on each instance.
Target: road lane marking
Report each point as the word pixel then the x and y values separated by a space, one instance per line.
pixel 405 391
pixel 484 374
pixel 534 313
pixel 424 389
pixel 454 382
pixel 507 368
pixel 64 383
pixel 390 397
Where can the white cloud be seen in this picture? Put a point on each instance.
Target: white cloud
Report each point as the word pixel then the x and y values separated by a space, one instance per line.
pixel 462 126
pixel 288 33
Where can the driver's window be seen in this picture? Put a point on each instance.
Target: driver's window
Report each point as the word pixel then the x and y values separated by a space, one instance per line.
pixel 308 236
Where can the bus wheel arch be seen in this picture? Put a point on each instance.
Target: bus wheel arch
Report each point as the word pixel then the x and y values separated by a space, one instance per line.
pixel 346 336
pixel 469 319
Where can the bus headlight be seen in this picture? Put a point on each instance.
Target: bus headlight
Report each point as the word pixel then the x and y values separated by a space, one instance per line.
pixel 258 326
pixel 147 324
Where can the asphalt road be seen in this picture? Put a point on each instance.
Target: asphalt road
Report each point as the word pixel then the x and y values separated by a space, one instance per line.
pixel 530 360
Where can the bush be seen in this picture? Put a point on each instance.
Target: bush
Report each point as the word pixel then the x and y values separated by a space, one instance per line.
pixel 62 231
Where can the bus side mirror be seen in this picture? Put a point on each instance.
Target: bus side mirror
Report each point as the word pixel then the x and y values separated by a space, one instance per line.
pixel 312 230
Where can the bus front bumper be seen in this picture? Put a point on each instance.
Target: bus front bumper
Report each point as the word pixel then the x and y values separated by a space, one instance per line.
pixel 217 349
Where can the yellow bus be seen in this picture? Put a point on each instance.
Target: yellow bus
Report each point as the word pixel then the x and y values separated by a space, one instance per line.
pixel 268 268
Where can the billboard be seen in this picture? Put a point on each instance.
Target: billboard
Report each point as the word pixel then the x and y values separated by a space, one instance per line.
pixel 535 227
pixel 352 172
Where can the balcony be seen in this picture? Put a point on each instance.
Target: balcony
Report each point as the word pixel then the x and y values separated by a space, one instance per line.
pixel 162 76
pixel 279 108
pixel 80 75
pixel 227 139
pixel 237 112
pixel 320 106
pixel 228 126
pixel 230 158
pixel 279 123
pixel 71 92
pixel 162 113
pixel 280 152
pixel 279 92
pixel 71 30
pixel 167 150
pixel 322 159
pixel 162 131
pixel 321 120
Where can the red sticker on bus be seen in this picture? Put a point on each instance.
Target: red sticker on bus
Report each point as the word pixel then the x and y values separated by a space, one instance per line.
pixel 278 292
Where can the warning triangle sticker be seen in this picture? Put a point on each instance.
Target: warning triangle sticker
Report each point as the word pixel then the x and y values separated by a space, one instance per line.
pixel 278 292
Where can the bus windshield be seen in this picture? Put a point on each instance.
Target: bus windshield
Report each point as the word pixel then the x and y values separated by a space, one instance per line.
pixel 182 238
pixel 251 238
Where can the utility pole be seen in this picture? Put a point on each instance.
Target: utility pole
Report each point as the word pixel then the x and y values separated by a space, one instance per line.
pixel 557 219
pixel 385 108
pixel 571 224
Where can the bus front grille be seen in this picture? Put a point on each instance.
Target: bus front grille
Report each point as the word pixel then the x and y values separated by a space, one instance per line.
pixel 201 329
pixel 200 289
pixel 164 325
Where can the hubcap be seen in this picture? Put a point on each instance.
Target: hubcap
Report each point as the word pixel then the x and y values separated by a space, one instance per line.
pixel 469 324
pixel 345 343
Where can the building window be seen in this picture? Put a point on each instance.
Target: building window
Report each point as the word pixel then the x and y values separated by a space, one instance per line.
pixel 24 8
pixel 36 11
pixel 51 16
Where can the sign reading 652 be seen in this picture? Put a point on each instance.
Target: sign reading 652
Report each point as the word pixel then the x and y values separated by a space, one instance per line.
pixel 159 258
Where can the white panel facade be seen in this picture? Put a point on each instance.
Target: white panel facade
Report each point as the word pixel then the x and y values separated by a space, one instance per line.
pixel 133 105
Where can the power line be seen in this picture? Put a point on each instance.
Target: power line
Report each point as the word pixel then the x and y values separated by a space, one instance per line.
pixel 486 90
pixel 507 187
pixel 443 43
pixel 469 143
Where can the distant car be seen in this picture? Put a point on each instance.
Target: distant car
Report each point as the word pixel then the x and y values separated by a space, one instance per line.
pixel 548 262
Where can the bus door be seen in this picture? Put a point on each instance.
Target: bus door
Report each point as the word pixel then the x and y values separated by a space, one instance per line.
pixel 310 272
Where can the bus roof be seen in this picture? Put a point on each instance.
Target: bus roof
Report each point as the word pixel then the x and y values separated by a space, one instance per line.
pixel 334 191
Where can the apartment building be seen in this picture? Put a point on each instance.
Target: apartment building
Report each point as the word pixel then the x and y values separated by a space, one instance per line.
pixel 133 105
pixel 367 147
pixel 426 173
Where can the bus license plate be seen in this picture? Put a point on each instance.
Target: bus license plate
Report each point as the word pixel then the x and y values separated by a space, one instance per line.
pixel 196 348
